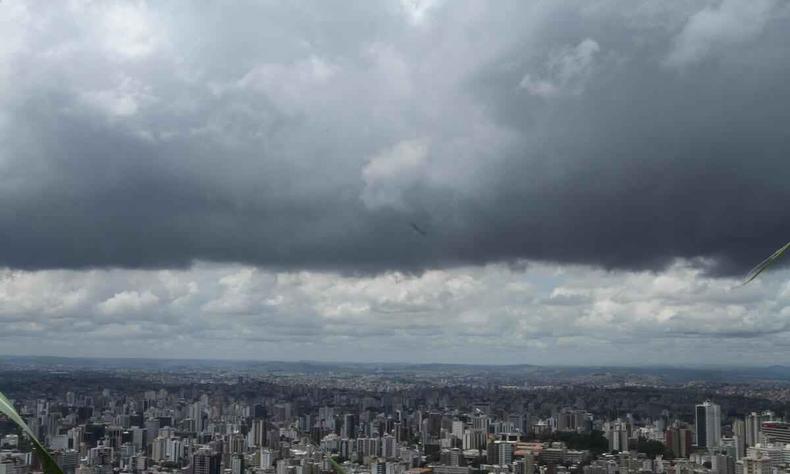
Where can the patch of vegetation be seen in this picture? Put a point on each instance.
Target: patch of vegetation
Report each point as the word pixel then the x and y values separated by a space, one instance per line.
pixel 593 441
pixel 652 448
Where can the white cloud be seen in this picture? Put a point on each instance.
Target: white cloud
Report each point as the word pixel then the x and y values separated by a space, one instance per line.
pixel 390 173
pixel 391 69
pixel 291 86
pixel 127 29
pixel 128 303
pixel 544 314
pixel 717 28
pixel 418 11
pixel 123 100
pixel 568 69
pixel 16 23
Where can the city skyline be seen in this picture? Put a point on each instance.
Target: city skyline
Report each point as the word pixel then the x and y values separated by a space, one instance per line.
pixel 238 420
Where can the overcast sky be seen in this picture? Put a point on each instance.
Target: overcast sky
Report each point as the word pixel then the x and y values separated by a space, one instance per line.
pixel 549 182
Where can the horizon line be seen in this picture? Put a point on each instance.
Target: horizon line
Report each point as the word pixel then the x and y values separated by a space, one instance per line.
pixel 391 363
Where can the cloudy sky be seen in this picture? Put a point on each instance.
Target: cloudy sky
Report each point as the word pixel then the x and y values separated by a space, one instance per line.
pixel 590 180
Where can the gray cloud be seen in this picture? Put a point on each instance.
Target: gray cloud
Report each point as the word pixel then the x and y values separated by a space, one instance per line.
pixel 303 135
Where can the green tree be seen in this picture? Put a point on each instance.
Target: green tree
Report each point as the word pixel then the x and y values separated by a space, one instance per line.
pixel 651 447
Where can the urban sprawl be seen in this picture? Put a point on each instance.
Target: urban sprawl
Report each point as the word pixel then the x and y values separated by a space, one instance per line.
pixel 440 420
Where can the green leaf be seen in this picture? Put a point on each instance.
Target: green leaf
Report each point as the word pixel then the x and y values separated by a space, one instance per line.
pixel 337 466
pixel 47 461
pixel 765 264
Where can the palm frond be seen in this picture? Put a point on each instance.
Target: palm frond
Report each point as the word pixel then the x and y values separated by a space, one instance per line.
pixel 765 264
pixel 338 468
pixel 47 461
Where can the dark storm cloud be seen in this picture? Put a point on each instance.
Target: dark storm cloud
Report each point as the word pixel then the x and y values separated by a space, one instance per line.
pixel 623 134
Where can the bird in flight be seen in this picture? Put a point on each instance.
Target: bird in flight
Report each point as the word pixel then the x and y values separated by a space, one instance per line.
pixel 418 229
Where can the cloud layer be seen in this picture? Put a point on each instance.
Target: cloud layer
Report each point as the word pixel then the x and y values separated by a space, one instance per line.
pixel 527 313
pixel 302 135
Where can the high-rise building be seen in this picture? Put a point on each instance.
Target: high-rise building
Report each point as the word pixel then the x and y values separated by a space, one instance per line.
pixel 708 425
pixel 529 463
pixel 13 465
pixel 378 467
pixel 722 464
pixel 772 454
pixel 755 463
pixel 776 431
pixel 754 423
pixel 458 429
pixel 480 422
pixel 474 439
pixel 68 460
pixel 237 464
pixel 267 458
pixel 389 447
pixel 159 449
pixel 452 457
pixel 617 434
pixel 101 456
pixel 434 424
pixel 500 453
pixel 139 463
pixel 349 429
pixel 729 446
pixel 326 417
pixel 739 437
pixel 572 420
pixel 258 432
pixel 678 440
pixel 205 461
